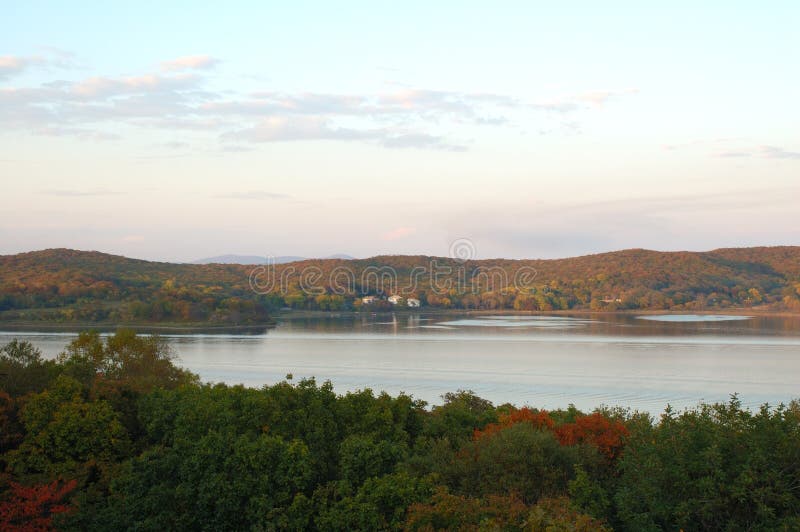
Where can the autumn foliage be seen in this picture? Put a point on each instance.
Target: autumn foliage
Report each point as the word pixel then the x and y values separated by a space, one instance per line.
pixel 539 419
pixel 153 449
pixel 446 511
pixel 594 429
pixel 62 285
pixel 31 508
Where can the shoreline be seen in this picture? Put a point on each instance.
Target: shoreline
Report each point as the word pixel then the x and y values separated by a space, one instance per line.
pixel 755 312
pixel 142 328
pixel 205 328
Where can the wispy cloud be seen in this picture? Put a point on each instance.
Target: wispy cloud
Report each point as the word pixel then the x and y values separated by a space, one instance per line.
pixel 701 221
pixel 70 193
pixel 763 152
pixel 288 129
pixel 574 102
pixel 733 154
pixel 254 195
pixel 737 148
pixel 235 148
pixel 419 141
pixel 11 65
pixel 175 97
pixel 189 62
pixel 773 152
pixel 398 233
pixel 85 134
pixel 175 145
pixel 282 129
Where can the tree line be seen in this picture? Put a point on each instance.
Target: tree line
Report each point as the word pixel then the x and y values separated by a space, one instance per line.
pixel 113 435
pixel 67 286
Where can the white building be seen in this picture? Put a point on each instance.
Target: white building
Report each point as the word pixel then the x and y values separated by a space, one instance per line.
pixel 394 300
pixel 368 300
pixel 411 302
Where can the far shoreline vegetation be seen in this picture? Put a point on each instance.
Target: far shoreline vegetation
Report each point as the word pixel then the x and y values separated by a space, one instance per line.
pixel 287 314
pixel 113 435
pixel 78 288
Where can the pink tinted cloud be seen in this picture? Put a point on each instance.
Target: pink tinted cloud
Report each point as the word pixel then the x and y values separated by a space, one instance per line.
pixel 398 233
pixel 189 62
pixel 12 65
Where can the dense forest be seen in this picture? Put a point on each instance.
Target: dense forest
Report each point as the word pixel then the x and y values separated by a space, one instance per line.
pixel 62 285
pixel 74 286
pixel 113 436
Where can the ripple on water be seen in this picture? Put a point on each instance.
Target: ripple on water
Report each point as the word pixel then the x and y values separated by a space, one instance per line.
pixel 559 322
pixel 692 318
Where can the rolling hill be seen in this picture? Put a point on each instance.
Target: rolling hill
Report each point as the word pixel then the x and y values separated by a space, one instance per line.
pixel 63 285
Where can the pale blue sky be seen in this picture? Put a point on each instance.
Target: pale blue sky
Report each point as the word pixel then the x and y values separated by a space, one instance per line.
pixel 536 129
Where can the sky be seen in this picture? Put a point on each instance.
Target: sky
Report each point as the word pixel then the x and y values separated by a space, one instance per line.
pixel 175 131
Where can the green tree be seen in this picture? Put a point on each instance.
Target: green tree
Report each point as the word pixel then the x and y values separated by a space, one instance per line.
pixel 218 482
pixel 64 431
pixel 719 467
pixel 23 369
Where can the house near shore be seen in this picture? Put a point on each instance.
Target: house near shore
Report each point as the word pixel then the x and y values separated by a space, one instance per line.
pixel 411 302
pixel 394 300
pixel 369 300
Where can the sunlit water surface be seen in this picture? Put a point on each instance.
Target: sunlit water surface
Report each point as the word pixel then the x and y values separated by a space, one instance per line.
pixel 642 362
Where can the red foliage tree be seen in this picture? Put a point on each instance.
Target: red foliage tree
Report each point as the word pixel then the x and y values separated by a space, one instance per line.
pixel 31 508
pixel 540 420
pixel 596 429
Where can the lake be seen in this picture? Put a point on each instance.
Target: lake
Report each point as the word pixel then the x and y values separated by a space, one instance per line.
pixel 642 362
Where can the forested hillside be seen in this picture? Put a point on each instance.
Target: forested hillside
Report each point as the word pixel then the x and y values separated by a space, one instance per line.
pixel 62 285
pixel 113 436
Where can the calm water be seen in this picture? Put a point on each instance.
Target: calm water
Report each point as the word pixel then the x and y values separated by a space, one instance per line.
pixel 643 362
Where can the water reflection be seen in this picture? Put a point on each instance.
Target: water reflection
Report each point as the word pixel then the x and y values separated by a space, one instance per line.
pixel 693 318
pixel 545 361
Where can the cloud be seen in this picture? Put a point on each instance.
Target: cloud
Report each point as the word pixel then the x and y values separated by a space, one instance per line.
pixel 67 193
pixel 575 102
pixel 254 195
pixel 85 134
pixel 282 129
pixel 670 222
pixel 737 148
pixel 289 129
pixel 762 152
pixel 133 238
pixel 175 145
pixel 773 152
pixel 102 87
pixel 235 148
pixel 189 62
pixel 398 233
pixel 426 101
pixel 733 154
pixel 420 141
pixel 12 65
pixel 175 97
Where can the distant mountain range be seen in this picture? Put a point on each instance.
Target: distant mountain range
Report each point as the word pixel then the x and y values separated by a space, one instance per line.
pixel 256 259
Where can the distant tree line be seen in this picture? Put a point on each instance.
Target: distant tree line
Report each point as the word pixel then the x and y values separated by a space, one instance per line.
pixel 112 435
pixel 74 286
